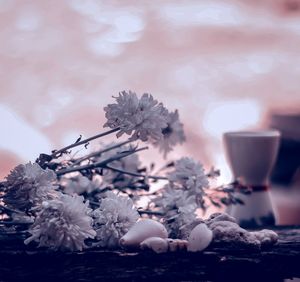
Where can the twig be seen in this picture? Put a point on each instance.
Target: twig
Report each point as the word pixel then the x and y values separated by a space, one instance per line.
pixel 4 208
pixel 136 174
pixel 150 212
pixel 100 164
pixel 14 223
pixel 57 153
pixel 153 193
pixel 94 203
pixel 95 154
pixel 166 166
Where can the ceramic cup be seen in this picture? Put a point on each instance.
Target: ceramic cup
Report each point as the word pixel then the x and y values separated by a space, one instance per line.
pixel 251 156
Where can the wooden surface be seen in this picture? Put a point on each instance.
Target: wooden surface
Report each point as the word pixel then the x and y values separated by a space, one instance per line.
pixel 19 263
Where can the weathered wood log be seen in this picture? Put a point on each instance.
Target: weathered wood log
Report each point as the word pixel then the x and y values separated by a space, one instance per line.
pixel 218 263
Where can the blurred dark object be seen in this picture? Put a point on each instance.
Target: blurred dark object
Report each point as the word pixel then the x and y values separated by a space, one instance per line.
pixel 291 5
pixel 287 168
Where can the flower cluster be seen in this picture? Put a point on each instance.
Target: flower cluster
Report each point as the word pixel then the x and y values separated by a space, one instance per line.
pixel 78 185
pixel 113 219
pixel 63 223
pixel 145 119
pixel 179 208
pixel 173 134
pixel 85 208
pixel 142 118
pixel 189 175
pixel 180 198
pixel 28 185
pixel 174 198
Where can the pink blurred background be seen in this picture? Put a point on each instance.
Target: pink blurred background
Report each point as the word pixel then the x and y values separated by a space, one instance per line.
pixel 223 64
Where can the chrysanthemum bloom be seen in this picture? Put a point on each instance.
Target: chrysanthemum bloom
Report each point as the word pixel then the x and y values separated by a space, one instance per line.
pixel 173 134
pixel 79 185
pixel 63 224
pixel 174 198
pixel 179 208
pixel 179 222
pixel 113 219
pixel 130 163
pixel 142 118
pixel 190 175
pixel 28 186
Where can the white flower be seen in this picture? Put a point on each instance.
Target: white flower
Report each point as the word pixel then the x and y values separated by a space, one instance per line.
pixel 79 185
pixel 63 224
pixel 173 134
pixel 179 208
pixel 190 175
pixel 130 163
pixel 142 118
pixel 28 185
pixel 113 219
pixel 174 199
pixel 179 221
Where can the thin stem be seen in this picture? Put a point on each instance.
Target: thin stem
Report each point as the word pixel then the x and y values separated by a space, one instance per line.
pixel 153 193
pixel 136 174
pixel 94 203
pixel 100 164
pixel 14 223
pixel 150 212
pixel 98 153
pixel 166 166
pixel 4 208
pixel 57 153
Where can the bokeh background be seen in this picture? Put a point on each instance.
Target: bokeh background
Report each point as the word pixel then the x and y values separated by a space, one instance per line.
pixel 225 65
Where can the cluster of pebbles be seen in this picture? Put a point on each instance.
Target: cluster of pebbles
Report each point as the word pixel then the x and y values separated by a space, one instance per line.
pixel 218 229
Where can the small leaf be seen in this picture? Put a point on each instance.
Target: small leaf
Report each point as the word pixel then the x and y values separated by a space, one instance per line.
pixel 170 164
pixel 239 201
pixel 144 169
pixel 228 189
pixel 79 139
pixel 215 203
pixel 152 166
pixel 225 201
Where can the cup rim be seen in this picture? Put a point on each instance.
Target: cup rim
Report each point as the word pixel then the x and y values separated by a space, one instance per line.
pixel 253 133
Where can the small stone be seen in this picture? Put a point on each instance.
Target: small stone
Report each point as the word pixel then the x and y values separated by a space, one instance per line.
pixel 266 237
pixel 219 217
pixel 226 230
